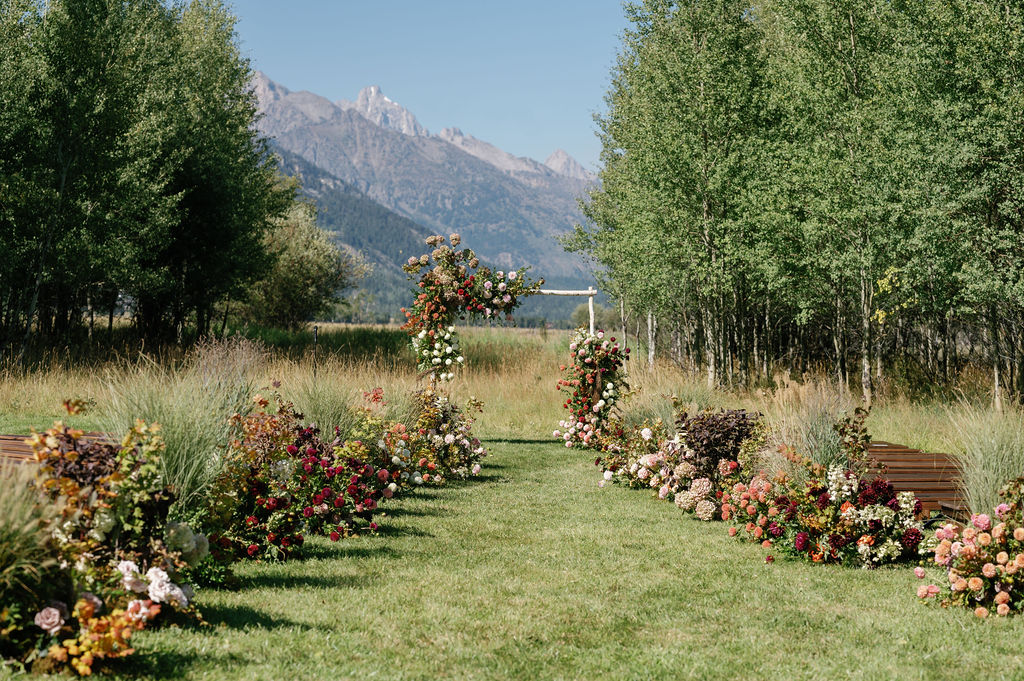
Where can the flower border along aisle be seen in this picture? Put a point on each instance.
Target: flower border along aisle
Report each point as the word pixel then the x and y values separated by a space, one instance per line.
pixel 453 285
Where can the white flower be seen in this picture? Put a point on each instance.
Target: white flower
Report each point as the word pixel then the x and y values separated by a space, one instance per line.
pixel 449 438
pixel 448 362
pixel 645 433
pixel 476 469
pixel 512 276
pixel 49 620
pixel 608 475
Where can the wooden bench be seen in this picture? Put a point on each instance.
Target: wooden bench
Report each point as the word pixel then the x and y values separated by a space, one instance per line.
pixel 14 448
pixel 933 477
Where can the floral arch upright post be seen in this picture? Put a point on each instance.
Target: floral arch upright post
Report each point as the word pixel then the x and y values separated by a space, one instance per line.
pixel 453 285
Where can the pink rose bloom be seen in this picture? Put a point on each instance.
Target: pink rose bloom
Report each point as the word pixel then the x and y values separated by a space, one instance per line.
pixel 919 572
pixel 922 591
pixel 663 492
pixel 981 521
pixel 1002 510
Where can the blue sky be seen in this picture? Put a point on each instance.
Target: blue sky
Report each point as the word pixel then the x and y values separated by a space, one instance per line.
pixel 525 75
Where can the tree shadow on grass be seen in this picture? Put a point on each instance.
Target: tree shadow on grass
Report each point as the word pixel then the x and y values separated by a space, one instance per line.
pixel 387 530
pixel 522 441
pixel 284 581
pixel 401 512
pixel 243 617
pixel 167 665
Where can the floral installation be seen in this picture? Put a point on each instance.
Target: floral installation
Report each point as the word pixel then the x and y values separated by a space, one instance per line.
pixel 117 563
pixel 595 382
pixel 284 481
pixel 836 516
pixel 679 468
pixel 981 561
pixel 444 445
pixel 452 284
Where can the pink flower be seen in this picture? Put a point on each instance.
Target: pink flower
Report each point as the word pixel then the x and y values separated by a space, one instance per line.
pixel 981 521
pixel 919 572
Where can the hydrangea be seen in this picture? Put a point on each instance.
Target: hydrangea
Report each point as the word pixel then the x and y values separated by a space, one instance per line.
pixel 705 509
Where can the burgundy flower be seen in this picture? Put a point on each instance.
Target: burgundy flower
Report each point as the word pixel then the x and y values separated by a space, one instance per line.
pixel 292 449
pixel 253 550
pixel 308 511
pixel 335 536
pixel 339 502
pixel 911 538
pixel 801 541
pixel 823 500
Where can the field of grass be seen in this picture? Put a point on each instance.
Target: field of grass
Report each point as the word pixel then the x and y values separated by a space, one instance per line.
pixel 512 370
pixel 532 572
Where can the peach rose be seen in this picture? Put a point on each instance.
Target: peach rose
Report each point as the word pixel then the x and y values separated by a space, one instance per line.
pixel 975 584
pixel 1002 610
pixel 981 612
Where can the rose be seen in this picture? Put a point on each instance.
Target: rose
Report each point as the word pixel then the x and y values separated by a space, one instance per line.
pixel 49 620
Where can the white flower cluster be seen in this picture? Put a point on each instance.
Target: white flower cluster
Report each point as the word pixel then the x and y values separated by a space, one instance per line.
pixel 582 430
pixel 842 485
pixel 438 354
pixel 156 584
pixel 194 547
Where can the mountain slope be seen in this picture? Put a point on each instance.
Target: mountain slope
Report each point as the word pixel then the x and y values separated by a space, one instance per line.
pixel 508 220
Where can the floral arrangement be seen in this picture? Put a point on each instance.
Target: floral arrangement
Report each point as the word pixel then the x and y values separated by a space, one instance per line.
pixel 837 516
pixel 116 561
pixel 444 445
pixel 452 285
pixel 284 481
pixel 678 467
pixel 594 382
pixel 981 561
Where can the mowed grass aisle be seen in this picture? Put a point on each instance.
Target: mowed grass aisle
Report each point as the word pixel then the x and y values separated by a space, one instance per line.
pixel 533 572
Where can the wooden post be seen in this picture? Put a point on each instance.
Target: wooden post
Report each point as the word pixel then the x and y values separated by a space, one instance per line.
pixel 590 304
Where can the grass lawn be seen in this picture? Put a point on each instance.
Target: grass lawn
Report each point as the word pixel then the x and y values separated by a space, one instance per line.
pixel 533 572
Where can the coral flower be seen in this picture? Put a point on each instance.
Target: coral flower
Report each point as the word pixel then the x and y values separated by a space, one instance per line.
pixel 981 612
pixel 919 572
pixel 989 570
pixel 975 584
pixel 732 531
pixel 1002 610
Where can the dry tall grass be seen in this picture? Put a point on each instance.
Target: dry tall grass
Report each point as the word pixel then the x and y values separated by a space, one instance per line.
pixel 513 371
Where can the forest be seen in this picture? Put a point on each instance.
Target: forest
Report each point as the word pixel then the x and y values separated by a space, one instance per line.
pixel 818 186
pixel 133 183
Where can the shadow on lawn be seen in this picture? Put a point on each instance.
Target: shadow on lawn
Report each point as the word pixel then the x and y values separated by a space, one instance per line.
pixel 284 581
pixel 167 665
pixel 243 617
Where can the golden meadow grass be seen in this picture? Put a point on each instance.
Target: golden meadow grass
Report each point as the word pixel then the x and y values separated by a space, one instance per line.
pixel 513 371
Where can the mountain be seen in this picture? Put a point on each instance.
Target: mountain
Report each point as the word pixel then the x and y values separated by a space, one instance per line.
pixel 564 164
pixel 356 222
pixel 380 110
pixel 510 210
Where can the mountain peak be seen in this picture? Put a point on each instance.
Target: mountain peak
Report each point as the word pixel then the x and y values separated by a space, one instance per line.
pixel 564 164
pixel 374 105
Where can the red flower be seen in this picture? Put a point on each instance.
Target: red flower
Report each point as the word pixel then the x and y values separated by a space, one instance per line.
pixel 292 449
pixel 339 502
pixel 308 511
pixel 253 550
pixel 271 537
pixel 251 520
pixel 335 536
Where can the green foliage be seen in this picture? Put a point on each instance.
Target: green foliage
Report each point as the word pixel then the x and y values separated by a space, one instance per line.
pixel 26 553
pixel 805 183
pixel 308 276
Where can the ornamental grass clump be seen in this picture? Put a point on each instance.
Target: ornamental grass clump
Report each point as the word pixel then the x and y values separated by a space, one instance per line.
pixel 194 405
pixel 982 560
pixel 990 452
pixel 594 383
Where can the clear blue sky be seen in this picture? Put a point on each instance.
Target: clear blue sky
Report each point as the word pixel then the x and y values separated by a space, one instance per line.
pixel 525 75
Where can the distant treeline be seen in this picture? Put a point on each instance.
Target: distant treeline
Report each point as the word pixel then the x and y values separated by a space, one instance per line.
pixel 798 183
pixel 132 179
